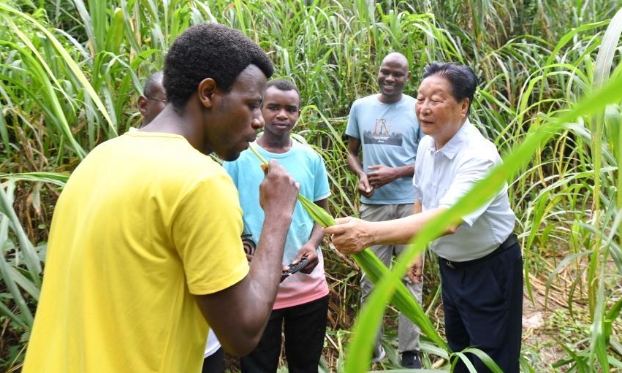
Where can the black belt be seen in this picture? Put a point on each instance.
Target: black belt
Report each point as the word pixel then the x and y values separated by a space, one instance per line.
pixel 509 242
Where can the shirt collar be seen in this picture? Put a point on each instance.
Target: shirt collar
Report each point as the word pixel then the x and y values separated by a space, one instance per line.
pixel 454 144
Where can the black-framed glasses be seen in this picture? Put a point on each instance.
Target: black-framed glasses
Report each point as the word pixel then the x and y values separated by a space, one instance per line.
pixel 154 99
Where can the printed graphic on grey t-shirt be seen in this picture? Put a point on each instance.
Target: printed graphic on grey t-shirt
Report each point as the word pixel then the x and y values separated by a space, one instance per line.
pixel 382 135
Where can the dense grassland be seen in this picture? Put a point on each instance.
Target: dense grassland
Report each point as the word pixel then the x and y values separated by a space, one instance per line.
pixel 71 71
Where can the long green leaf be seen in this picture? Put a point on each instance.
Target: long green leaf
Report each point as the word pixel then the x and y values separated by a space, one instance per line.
pixel 5 10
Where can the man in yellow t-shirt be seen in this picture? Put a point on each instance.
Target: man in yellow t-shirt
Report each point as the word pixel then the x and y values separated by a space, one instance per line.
pixel 144 253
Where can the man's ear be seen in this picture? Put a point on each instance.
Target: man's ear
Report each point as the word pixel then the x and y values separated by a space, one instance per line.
pixel 206 90
pixel 142 105
pixel 464 106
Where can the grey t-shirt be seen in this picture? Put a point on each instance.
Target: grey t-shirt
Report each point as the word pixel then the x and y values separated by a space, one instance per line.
pixel 389 135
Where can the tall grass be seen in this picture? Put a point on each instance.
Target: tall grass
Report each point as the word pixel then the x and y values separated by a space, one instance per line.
pixel 71 70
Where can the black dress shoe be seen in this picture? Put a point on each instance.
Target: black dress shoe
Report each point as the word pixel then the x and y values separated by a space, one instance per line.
pixel 410 360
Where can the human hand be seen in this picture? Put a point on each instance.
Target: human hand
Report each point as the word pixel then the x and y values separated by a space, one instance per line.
pixel 350 235
pixel 364 188
pixel 381 175
pixel 415 272
pixel 278 191
pixel 310 253
pixel 299 264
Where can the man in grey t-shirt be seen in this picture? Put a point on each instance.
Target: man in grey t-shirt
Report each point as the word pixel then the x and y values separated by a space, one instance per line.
pixel 384 126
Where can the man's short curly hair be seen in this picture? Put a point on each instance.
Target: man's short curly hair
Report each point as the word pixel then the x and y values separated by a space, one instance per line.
pixel 284 85
pixel 209 50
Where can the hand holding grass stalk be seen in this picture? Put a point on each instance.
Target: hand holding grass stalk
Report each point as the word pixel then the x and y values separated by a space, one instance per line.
pixel 374 268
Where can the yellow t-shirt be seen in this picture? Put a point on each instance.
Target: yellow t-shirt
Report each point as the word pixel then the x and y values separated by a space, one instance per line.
pixel 144 222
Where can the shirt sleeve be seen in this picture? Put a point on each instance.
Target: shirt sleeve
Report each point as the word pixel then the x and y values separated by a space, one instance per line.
pixel 207 233
pixel 352 129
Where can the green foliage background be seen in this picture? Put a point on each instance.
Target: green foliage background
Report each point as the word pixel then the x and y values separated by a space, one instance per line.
pixel 71 71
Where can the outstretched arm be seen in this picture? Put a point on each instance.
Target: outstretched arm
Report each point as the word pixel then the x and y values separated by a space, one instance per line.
pixel 352 235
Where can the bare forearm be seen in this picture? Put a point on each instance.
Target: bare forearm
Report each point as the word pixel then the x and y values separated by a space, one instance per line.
pixel 267 262
pixel 401 231
pixel 265 273
pixel 239 313
pixel 405 171
pixel 354 163
pixel 317 234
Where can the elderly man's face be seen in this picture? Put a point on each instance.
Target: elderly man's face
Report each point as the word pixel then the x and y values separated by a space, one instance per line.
pixel 438 112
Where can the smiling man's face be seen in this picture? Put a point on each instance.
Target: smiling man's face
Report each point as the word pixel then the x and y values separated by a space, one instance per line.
pixel 392 77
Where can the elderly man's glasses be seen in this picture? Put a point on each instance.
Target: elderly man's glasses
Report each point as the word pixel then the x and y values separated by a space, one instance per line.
pixel 154 99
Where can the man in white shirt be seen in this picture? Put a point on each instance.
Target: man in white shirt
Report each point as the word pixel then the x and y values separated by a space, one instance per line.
pixel 480 258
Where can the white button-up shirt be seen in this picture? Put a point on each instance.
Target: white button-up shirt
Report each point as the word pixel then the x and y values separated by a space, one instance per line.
pixel 442 177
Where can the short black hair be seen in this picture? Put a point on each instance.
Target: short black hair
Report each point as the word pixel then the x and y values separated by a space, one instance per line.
pixel 461 77
pixel 284 85
pixel 209 50
pixel 154 80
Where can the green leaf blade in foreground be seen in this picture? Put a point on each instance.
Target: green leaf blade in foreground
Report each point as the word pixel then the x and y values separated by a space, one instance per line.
pixel 318 214
pixel 402 299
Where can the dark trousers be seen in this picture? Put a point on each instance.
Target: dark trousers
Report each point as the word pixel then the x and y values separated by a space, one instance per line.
pixel 304 327
pixel 483 304
pixel 215 363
